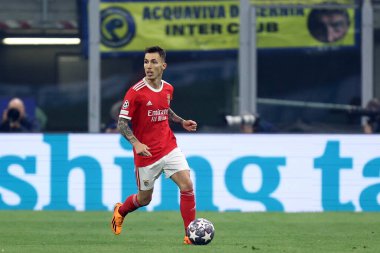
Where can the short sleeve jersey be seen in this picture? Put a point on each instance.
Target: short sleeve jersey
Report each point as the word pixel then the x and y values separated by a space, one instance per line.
pixel 147 108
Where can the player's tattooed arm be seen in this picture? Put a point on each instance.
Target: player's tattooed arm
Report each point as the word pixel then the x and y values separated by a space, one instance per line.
pixel 174 117
pixel 126 131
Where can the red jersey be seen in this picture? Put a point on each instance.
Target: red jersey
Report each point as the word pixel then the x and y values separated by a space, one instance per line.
pixel 148 108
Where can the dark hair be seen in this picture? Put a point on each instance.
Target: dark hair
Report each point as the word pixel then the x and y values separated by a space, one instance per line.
pixel 157 49
pixel 318 13
pixel 316 27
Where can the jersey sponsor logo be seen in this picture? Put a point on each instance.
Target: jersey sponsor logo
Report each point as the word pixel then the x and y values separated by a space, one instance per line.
pixel 158 112
pixel 158 115
pixel 149 103
pixel 126 104
pixel 117 27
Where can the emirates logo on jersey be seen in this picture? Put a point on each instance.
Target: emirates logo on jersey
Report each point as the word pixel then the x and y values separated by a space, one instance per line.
pixel 158 115
pixel 168 96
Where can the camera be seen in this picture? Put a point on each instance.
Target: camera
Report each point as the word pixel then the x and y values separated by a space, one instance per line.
pixel 13 115
pixel 246 119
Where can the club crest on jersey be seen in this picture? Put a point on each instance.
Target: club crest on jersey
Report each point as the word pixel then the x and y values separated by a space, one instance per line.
pixel 168 96
pixel 146 182
pixel 126 104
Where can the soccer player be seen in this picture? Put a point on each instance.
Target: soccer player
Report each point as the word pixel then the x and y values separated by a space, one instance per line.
pixel 146 106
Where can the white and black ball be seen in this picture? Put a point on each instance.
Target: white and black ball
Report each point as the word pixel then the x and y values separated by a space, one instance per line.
pixel 200 231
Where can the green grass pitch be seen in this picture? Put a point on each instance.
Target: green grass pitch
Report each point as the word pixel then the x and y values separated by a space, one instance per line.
pixel 75 232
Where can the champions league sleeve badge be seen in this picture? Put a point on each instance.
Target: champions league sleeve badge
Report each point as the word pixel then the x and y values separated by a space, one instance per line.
pixel 126 104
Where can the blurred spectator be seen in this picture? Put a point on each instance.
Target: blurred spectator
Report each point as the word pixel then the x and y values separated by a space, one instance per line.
pixel 14 118
pixel 111 127
pixel 328 25
pixel 372 113
pixel 41 118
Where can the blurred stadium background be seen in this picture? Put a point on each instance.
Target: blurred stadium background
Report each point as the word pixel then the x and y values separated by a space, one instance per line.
pixel 291 65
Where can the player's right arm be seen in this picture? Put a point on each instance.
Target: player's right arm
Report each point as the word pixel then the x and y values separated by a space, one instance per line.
pixel 126 131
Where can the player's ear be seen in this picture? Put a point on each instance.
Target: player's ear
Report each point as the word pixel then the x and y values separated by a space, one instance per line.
pixel 164 65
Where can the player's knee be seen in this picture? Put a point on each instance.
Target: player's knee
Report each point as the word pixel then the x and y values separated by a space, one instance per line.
pixel 144 201
pixel 187 186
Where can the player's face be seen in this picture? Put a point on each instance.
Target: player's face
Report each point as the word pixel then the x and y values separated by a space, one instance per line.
pixel 154 66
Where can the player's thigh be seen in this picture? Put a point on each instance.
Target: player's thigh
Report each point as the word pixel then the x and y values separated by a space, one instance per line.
pixel 177 168
pixel 175 161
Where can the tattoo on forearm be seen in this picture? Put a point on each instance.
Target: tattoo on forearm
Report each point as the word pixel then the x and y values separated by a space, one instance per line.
pixel 174 117
pixel 126 131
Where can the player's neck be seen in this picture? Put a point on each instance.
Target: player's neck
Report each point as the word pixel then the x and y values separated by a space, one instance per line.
pixel 156 83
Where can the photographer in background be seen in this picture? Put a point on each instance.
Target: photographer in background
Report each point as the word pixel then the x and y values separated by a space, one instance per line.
pixel 111 126
pixel 14 118
pixel 372 113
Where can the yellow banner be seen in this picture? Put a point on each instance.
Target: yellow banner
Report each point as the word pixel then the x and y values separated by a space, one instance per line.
pixel 298 27
pixel 301 2
pixel 214 25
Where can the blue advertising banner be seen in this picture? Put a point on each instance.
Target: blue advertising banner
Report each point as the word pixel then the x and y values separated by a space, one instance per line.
pixel 286 173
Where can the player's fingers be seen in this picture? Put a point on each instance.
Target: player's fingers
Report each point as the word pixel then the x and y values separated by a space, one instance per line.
pixel 145 153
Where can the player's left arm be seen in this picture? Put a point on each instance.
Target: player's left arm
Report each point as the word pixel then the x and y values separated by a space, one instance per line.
pixel 189 125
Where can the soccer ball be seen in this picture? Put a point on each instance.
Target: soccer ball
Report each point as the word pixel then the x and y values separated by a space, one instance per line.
pixel 200 231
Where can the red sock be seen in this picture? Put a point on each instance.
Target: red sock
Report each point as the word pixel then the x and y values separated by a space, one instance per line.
pixel 187 207
pixel 129 205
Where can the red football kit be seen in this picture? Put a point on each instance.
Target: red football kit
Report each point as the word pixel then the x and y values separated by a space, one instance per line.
pixel 148 108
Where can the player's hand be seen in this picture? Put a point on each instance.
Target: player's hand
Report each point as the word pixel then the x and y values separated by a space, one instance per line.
pixel 142 149
pixel 189 125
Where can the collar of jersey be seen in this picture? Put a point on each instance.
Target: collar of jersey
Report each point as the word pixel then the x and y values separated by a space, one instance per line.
pixel 153 89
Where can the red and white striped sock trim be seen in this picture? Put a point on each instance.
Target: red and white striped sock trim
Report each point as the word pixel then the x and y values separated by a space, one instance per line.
pixel 135 201
pixel 187 193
